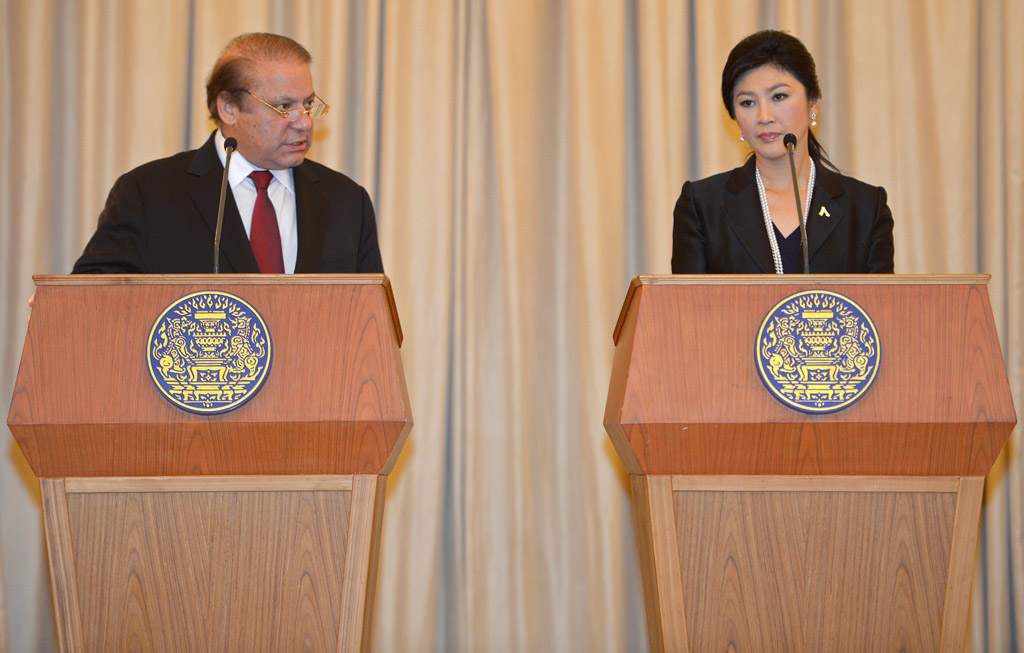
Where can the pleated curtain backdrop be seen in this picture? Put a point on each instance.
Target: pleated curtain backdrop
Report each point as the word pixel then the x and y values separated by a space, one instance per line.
pixel 524 157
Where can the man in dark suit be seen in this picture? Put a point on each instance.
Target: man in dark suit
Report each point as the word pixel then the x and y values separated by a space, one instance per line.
pixel 283 214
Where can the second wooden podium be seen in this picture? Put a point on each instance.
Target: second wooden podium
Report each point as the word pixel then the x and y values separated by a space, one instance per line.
pixel 761 528
pixel 255 529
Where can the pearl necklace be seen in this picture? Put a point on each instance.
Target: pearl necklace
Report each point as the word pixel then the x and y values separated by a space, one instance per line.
pixel 768 216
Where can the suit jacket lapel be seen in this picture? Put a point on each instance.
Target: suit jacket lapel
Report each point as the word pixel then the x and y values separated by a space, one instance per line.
pixel 743 210
pixel 826 212
pixel 204 180
pixel 311 215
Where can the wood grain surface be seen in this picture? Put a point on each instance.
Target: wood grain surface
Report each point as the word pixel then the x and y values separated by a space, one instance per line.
pixel 360 572
pixel 687 399
pixel 625 334
pixel 806 571
pixel 335 400
pixel 816 483
pixel 658 548
pixel 207 484
pixel 961 565
pixel 217 571
pixel 60 554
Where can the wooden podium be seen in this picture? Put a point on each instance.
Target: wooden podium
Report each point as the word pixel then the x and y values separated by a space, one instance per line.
pixel 762 528
pixel 255 529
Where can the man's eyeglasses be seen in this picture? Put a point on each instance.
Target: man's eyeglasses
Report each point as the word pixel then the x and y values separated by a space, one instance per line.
pixel 318 109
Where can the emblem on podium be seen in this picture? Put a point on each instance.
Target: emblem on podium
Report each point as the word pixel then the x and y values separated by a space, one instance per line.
pixel 209 352
pixel 817 351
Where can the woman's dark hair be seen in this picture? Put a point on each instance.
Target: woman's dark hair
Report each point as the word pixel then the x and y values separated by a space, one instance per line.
pixel 783 51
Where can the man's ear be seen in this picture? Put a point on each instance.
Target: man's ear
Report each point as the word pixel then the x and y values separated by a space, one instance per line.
pixel 227 108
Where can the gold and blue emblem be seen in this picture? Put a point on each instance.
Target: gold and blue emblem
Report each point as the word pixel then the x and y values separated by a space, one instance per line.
pixel 817 351
pixel 209 352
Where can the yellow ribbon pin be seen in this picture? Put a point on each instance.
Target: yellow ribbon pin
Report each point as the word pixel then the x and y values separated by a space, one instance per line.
pixel 824 212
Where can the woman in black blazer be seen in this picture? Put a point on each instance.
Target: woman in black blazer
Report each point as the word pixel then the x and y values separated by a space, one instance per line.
pixel 745 220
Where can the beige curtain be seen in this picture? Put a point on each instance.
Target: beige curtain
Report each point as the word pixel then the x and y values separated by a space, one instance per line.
pixel 524 157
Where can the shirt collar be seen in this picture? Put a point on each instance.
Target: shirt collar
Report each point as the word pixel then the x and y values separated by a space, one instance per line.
pixel 241 168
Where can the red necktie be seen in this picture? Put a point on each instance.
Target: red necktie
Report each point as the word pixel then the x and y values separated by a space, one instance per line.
pixel 264 236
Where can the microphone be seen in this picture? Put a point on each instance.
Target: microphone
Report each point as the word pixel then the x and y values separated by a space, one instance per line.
pixel 789 140
pixel 230 145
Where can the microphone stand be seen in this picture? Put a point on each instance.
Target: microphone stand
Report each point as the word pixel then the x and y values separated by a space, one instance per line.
pixel 790 142
pixel 230 144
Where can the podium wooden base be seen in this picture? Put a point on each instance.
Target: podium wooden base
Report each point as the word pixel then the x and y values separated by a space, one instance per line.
pixel 806 563
pixel 764 528
pixel 252 529
pixel 250 563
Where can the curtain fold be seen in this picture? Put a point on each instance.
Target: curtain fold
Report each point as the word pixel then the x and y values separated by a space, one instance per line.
pixel 524 159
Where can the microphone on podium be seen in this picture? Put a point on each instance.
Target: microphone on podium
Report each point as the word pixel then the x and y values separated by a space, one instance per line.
pixel 230 145
pixel 789 140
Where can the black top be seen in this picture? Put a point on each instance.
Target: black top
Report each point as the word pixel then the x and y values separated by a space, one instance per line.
pixel 719 229
pixel 790 250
